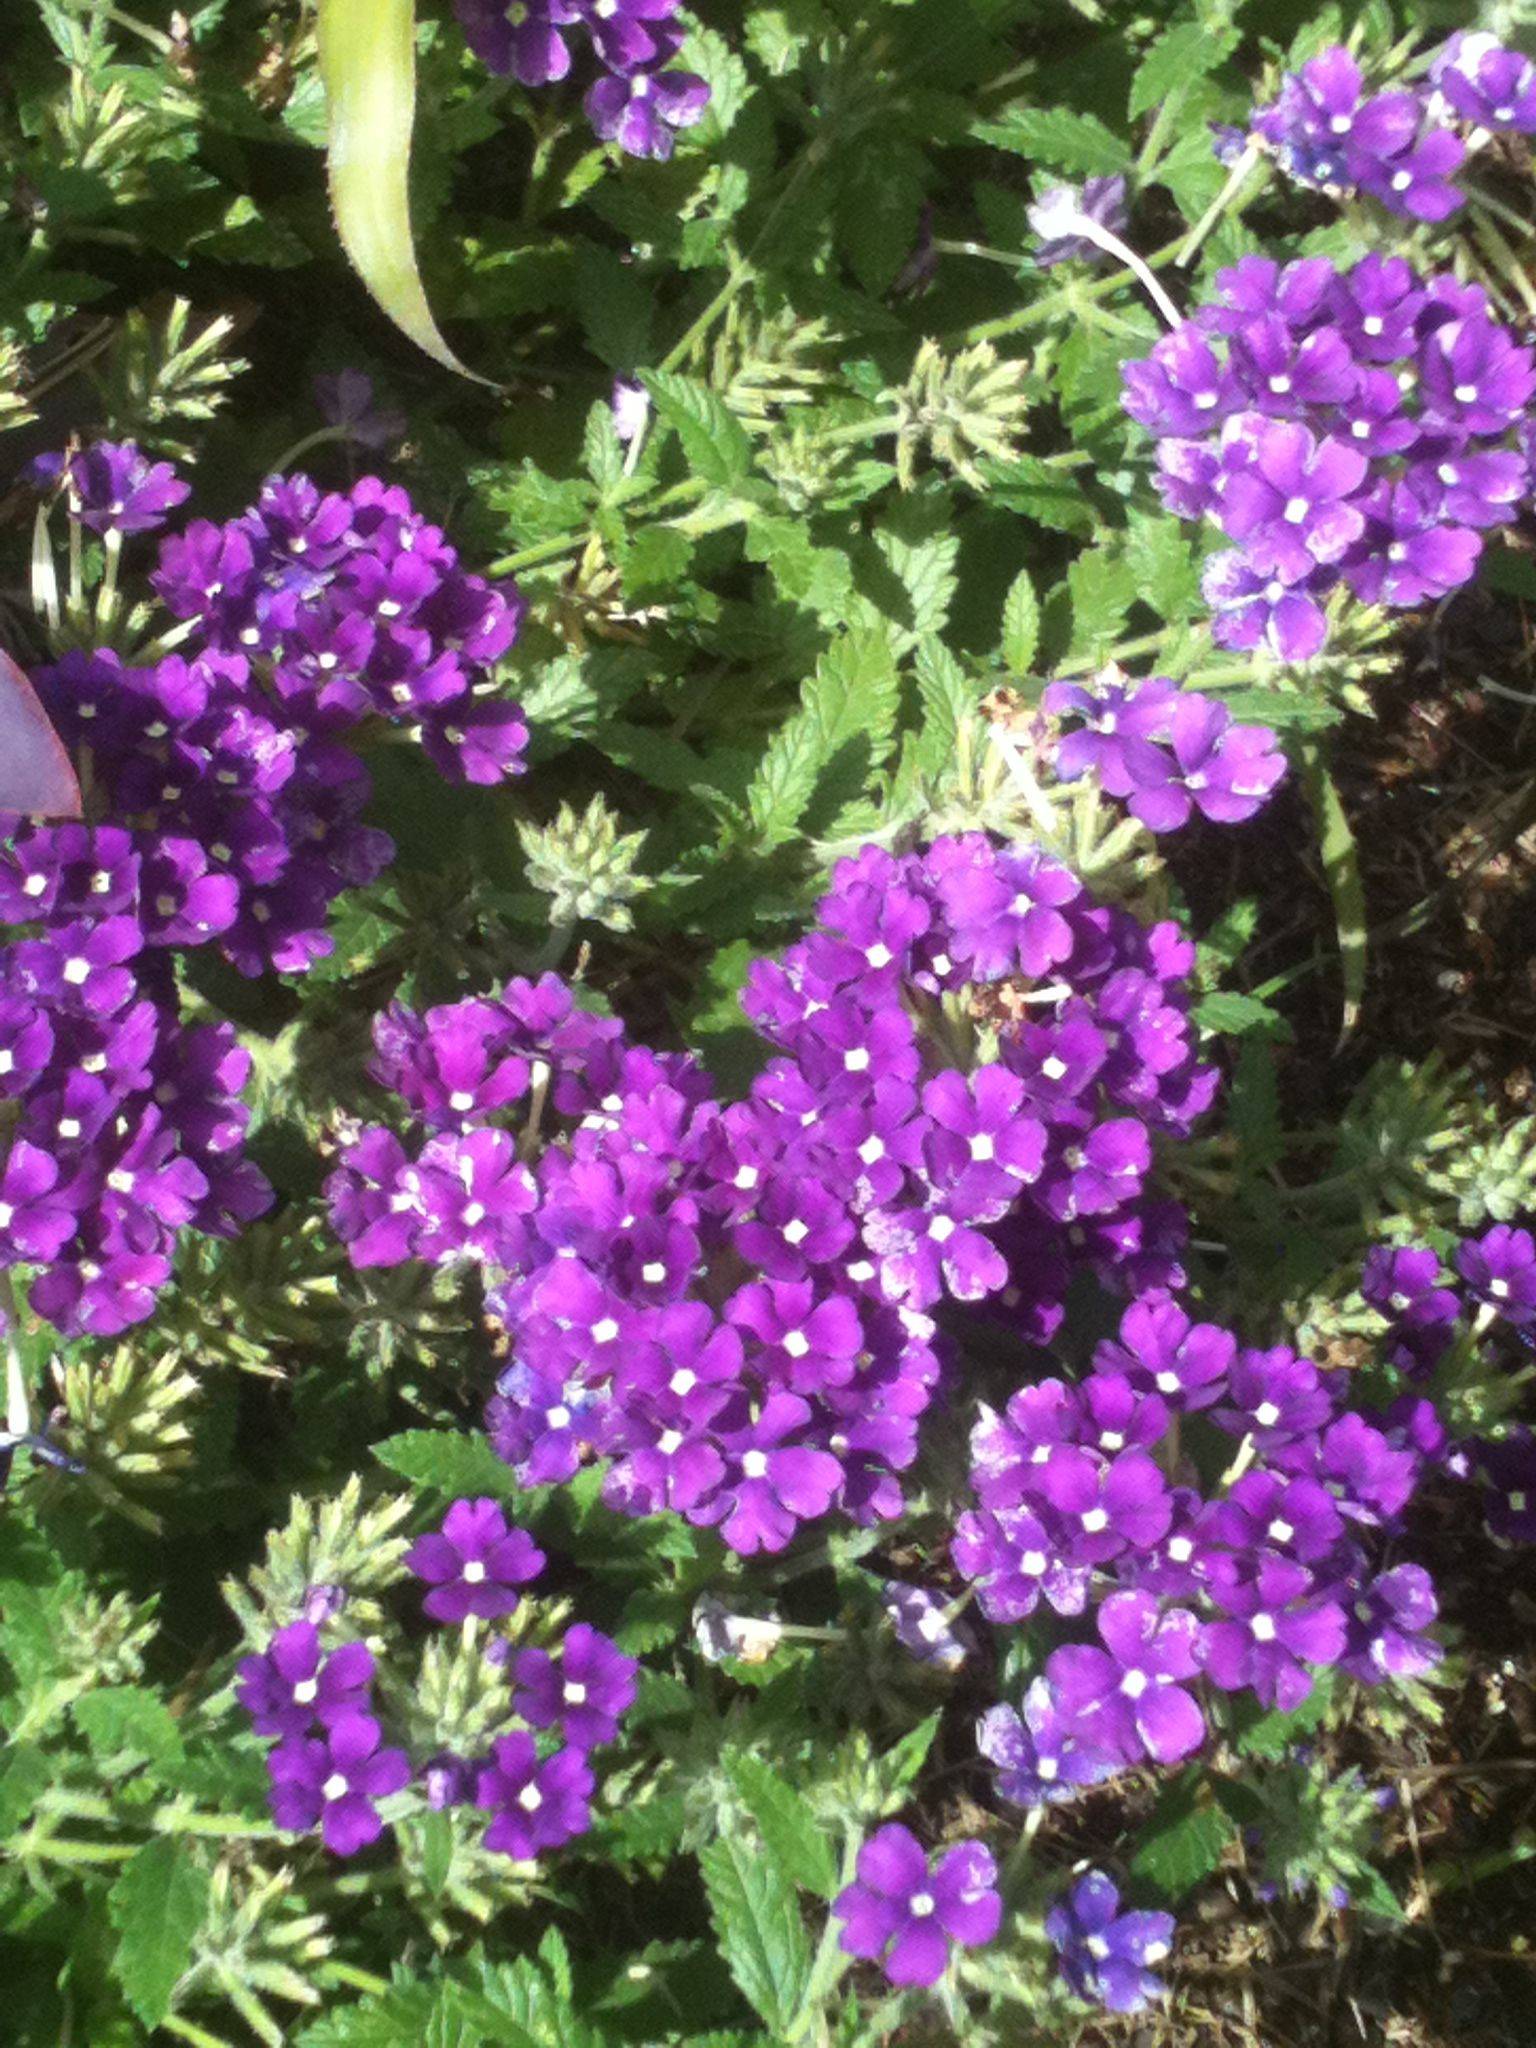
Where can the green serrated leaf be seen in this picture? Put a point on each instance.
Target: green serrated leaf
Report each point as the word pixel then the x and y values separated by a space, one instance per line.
pixel 157 1906
pixel 714 440
pixel 759 1929
pixel 1021 624
pixel 1056 136
pixel 1180 55
pixel 449 1461
pixel 1184 1839
pixel 842 733
pixel 787 1823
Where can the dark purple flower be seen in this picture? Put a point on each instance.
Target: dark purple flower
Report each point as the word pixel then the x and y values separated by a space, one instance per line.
pixel 288 1687
pixel 1387 1624
pixel 476 1564
pixel 585 1695
pixel 535 1806
pixel 903 1914
pixel 346 400
pixel 334 1781
pixel 1107 1956
pixel 1500 1269
pixel 115 488
pixel 641 111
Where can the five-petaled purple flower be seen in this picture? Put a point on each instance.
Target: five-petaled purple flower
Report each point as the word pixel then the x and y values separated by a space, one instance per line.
pixel 1107 1956
pixel 475 1564
pixel 334 1780
pixel 903 1913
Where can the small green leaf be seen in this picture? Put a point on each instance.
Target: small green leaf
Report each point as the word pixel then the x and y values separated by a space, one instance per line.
pixel 1021 625
pixel 1184 1839
pixel 1058 137
pixel 447 1461
pixel 368 62
pixel 714 440
pixel 157 1906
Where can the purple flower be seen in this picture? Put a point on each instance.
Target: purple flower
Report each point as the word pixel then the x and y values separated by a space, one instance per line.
pixel 335 1780
pixel 1107 1956
pixel 1161 1351
pixel 1486 84
pixel 772 1485
pixel 585 1695
pixel 921 1620
pixel 641 111
pixel 535 1806
pixel 1387 1624
pixel 525 42
pixel 1279 1624
pixel 115 488
pixel 1100 199
pixel 346 400
pixel 1417 182
pixel 1126 1700
pixel 288 1687
pixel 1291 506
pixel 476 1564
pixel 1044 1755
pixel 1500 1269
pixel 1507 1470
pixel 903 1914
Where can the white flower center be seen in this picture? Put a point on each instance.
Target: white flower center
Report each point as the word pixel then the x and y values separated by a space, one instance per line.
pixel 305 1691
pixel 474 1572
pixel 575 1695
pixel 335 1787
pixel 796 1343
pixel 558 1418
pixel 530 1799
pixel 1296 509
pixel 1263 1628
pixel 1266 1415
pixel 76 972
pixel 983 1146
pixel 684 1380
pixel 920 1905
pixel 604 1331
pixel 1053 1068
pixel 1134 1684
pixel 1095 1519
pixel 754 1464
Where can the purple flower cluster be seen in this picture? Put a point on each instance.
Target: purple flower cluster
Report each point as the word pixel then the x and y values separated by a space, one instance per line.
pixel 1401 147
pixel 734 1305
pixel 225 811
pixel 1491 1291
pixel 574 1698
pixel 327 1769
pixel 637 101
pixel 904 1912
pixel 1249 1586
pixel 1106 1956
pixel 1167 752
pixel 1359 428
